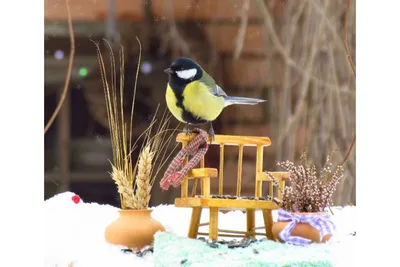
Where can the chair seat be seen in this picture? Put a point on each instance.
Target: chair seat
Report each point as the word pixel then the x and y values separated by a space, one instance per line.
pixel 225 203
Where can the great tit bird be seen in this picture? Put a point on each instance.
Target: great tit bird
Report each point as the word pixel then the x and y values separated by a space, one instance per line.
pixel 193 96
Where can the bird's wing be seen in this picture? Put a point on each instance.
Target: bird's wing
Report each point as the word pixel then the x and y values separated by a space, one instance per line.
pixel 211 84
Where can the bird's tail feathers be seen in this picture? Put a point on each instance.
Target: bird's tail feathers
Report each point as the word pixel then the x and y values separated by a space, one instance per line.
pixel 232 100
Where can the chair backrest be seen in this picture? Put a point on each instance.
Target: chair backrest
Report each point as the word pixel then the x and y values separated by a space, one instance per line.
pixel 240 142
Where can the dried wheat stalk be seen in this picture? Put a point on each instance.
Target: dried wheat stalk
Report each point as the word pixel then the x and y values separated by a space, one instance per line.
pixel 125 189
pixel 143 178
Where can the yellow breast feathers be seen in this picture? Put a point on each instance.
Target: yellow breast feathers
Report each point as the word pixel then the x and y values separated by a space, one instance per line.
pixel 171 104
pixel 200 102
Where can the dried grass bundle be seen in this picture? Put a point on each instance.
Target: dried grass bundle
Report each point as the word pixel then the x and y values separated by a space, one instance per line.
pixel 309 192
pixel 134 178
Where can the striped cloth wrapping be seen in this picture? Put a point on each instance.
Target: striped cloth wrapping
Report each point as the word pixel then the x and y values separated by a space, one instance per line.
pixel 321 222
pixel 197 148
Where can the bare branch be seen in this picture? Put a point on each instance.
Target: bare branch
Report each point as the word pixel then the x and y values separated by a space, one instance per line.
pixel 294 119
pixel 270 30
pixel 242 29
pixel 354 72
pixel 345 39
pixel 337 92
pixel 329 24
pixel 175 37
pixel 69 70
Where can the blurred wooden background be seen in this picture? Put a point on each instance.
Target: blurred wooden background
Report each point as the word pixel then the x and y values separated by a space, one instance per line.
pixel 288 52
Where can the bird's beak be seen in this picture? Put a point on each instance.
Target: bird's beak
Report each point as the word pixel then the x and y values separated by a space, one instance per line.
pixel 169 71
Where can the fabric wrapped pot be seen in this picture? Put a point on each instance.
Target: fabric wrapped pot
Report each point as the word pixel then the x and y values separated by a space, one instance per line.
pixel 303 228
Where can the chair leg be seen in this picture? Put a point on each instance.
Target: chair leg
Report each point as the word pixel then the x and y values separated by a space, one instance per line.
pixel 194 222
pixel 251 224
pixel 213 227
pixel 267 214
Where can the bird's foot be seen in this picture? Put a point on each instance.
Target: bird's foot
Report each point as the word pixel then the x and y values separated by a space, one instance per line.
pixel 187 130
pixel 211 133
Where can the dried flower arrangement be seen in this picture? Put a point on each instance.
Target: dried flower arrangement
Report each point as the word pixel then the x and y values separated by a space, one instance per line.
pixel 308 191
pixel 134 178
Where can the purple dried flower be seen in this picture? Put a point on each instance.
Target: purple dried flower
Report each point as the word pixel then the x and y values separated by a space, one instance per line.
pixel 308 192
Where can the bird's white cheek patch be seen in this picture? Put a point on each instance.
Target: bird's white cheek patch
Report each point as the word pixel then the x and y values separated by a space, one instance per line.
pixel 186 74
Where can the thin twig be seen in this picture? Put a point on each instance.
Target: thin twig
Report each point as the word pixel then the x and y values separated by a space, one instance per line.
pixel 354 71
pixel 350 149
pixel 330 209
pixel 69 70
pixel 176 39
pixel 242 30
pixel 345 39
pixel 338 97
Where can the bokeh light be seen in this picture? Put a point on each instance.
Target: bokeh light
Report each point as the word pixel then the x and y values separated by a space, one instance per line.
pixel 59 54
pixel 146 67
pixel 83 72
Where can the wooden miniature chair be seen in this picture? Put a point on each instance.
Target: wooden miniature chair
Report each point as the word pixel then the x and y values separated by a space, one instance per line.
pixel 197 203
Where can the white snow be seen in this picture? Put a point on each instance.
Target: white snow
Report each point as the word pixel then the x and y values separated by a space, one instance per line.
pixel 74 233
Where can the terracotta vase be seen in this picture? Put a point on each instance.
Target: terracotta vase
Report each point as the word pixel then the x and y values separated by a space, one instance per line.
pixel 301 229
pixel 134 229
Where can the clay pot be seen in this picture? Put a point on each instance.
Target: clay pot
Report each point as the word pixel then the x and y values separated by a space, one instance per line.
pixel 134 229
pixel 301 229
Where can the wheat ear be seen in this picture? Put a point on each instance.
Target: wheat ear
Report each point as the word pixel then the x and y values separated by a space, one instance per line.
pixel 125 189
pixel 143 184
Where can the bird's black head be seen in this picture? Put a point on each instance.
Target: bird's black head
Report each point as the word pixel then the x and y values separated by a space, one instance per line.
pixel 183 71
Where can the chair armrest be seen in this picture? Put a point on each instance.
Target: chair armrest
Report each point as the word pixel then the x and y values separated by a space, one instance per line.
pixel 279 176
pixel 202 172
